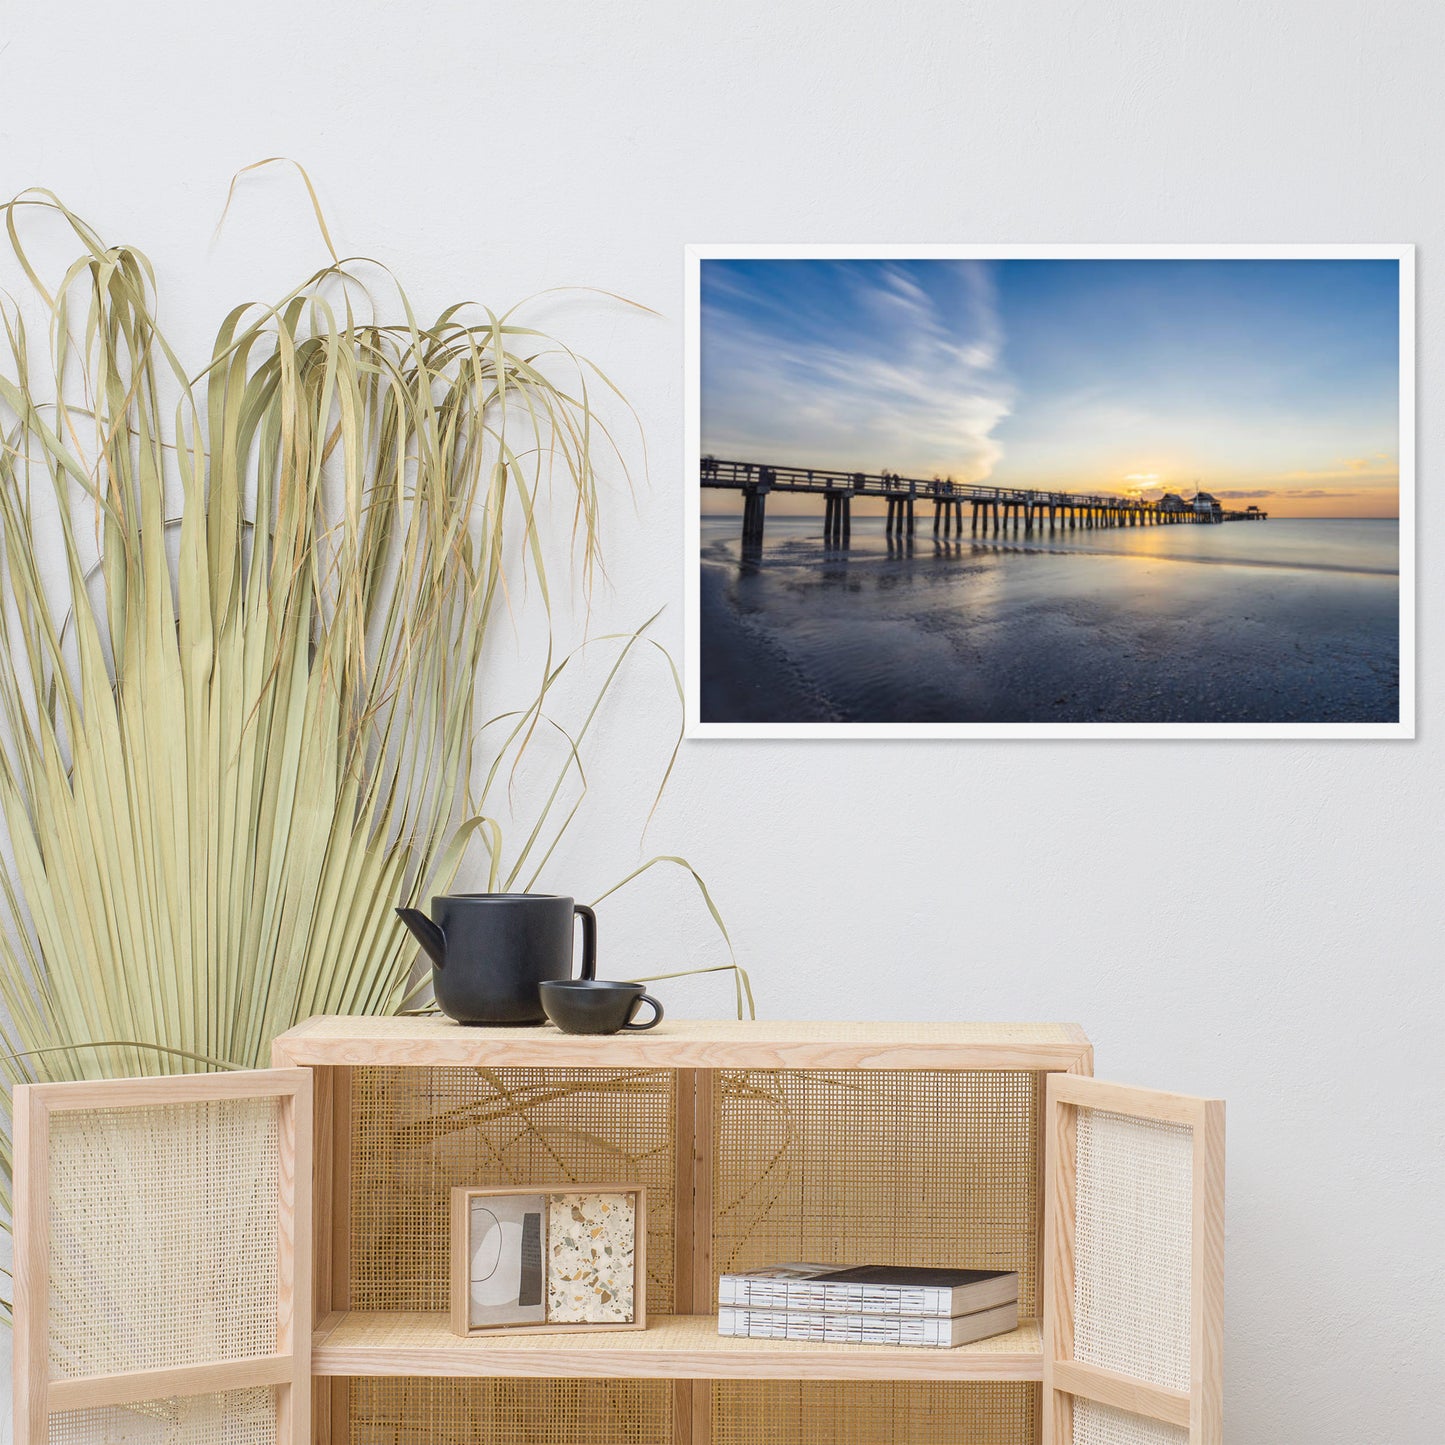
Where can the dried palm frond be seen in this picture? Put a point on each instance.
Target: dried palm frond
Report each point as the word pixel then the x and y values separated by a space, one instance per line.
pixel 242 616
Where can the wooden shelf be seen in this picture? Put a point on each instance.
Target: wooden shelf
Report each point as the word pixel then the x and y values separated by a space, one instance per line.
pixel 688 1044
pixel 672 1347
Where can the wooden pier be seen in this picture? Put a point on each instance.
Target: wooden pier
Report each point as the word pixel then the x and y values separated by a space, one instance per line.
pixel 989 509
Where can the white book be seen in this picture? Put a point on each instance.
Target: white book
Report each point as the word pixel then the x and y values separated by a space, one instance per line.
pixel 844 1329
pixel 869 1289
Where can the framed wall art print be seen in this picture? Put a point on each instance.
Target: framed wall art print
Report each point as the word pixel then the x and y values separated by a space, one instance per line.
pixel 1040 491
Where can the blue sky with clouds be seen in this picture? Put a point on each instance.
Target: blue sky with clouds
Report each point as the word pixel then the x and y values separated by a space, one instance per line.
pixel 1270 379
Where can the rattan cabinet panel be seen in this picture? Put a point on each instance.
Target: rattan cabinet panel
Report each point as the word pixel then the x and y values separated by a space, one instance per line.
pixel 770 1412
pixel 756 1142
pixel 925 1167
pixel 326 1181
pixel 162 1260
pixel 416 1133
pixel 1134 1264
pixel 421 1410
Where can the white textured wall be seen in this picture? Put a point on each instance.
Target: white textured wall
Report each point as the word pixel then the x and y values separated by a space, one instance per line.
pixel 1258 920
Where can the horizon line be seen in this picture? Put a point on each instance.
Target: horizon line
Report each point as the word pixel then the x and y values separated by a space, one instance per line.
pixel 1341 517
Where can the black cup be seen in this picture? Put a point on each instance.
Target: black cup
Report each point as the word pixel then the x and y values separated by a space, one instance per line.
pixel 595 1006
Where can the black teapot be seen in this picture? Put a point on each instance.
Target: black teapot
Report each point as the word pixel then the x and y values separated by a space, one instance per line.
pixel 490 952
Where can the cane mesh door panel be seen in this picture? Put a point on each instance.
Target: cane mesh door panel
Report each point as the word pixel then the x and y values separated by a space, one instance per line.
pixel 162 1247
pixel 1134 1248
pixel 229 1417
pixel 1104 1425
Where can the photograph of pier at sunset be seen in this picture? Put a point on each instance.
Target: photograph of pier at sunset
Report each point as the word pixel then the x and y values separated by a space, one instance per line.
pixel 1091 493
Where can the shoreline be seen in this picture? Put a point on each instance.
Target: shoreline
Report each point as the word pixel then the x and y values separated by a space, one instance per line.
pixel 741 677
pixel 1039 634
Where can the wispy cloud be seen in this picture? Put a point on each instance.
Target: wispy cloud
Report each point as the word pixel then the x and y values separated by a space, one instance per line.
pixel 1357 476
pixel 854 364
pixel 1303 493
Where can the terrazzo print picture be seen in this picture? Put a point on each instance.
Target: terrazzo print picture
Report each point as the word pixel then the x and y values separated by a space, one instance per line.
pixel 591 1258
pixel 529 1259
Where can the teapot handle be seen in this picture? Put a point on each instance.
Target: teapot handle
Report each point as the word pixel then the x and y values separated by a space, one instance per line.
pixel 589 940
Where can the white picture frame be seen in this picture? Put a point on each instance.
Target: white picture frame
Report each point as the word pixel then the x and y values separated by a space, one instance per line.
pixel 1402 727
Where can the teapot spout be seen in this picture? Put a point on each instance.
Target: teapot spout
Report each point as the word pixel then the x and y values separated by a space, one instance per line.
pixel 426 933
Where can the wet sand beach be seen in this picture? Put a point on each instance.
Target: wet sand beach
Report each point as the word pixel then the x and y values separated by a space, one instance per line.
pixel 1278 621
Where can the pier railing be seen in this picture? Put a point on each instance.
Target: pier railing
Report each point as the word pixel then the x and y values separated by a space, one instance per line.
pixel 992 508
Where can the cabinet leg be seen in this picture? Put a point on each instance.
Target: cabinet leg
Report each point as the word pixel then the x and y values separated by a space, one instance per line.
pixel 701 1412
pixel 692 1412
pixel 331 1224
pixel 330 1411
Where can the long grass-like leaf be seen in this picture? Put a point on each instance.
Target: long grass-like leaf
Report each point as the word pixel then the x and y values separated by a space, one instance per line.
pixel 243 615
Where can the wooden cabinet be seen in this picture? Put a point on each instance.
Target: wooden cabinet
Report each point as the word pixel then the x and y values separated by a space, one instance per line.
pixel 981 1144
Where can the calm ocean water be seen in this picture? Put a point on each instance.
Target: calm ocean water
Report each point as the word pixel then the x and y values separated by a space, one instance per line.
pixel 1277 621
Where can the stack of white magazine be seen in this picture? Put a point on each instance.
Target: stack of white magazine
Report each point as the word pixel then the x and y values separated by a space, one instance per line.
pixel 869 1304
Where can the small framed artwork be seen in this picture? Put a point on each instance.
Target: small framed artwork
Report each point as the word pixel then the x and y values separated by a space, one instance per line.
pixel 559 1259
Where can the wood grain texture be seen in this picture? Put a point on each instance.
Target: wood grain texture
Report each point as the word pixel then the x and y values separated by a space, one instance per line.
pixel 287 1368
pixel 700 1266
pixel 328 1205
pixel 135 1385
pixel 1060 1171
pixel 672 1347
pixel 704 1277
pixel 296 1253
pixel 30 1141
pixel 459 1252
pixel 682 1411
pixel 335 1400
pixel 159 1089
pixel 684 1149
pixel 683 1153
pixel 1206 1420
pixel 639 1259
pixel 687 1044
pixel 1124 1099
pixel 323 1187
pixel 1200 1410
pixel 1109 1387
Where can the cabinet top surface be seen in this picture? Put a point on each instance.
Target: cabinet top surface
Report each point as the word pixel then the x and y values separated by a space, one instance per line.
pixel 688 1043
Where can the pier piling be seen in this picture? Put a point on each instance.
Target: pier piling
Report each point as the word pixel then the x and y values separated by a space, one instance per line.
pixel 991 509
pixel 754 505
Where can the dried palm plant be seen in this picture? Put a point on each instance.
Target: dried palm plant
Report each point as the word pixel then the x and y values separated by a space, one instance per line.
pixel 242 615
